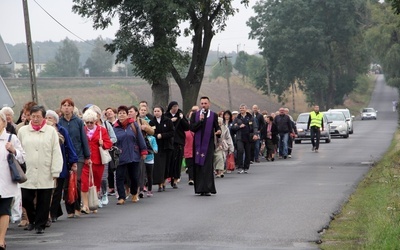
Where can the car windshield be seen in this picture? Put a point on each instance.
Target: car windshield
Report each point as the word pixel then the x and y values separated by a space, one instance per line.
pixel 335 116
pixel 303 118
pixel 368 110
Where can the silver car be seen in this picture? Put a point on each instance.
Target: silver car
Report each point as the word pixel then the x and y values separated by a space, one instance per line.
pixel 339 125
pixel 304 135
pixel 369 113
pixel 348 116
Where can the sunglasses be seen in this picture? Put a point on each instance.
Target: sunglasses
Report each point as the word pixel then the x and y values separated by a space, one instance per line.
pixel 89 122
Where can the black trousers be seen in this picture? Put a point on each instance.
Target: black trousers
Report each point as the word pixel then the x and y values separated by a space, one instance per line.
pixel 176 162
pixel 315 135
pixel 243 147
pixel 39 214
pixel 55 207
pixel 189 165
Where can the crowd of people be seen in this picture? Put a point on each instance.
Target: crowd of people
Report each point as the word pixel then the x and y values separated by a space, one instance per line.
pixel 154 147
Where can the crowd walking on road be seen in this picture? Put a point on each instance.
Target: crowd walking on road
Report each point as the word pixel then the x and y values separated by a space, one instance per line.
pixel 76 159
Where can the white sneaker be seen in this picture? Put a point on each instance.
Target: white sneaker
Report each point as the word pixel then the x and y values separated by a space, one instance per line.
pixel 241 171
pixel 289 156
pixel 100 204
pixel 104 199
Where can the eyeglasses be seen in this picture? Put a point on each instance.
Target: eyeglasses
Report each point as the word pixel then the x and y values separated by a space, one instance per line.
pixel 89 122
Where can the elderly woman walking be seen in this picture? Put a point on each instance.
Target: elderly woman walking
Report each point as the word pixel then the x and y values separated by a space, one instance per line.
pixel 8 188
pixel 44 163
pixel 97 137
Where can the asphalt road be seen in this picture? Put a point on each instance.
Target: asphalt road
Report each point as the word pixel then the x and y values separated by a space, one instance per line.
pixel 278 205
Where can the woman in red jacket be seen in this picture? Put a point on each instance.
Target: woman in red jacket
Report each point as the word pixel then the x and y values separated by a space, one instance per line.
pixel 93 134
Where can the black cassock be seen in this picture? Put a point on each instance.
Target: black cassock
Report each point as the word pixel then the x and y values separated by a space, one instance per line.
pixel 204 175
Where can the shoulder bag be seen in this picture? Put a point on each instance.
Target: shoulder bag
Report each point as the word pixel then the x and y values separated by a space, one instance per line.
pixel 104 154
pixel 17 174
pixel 93 198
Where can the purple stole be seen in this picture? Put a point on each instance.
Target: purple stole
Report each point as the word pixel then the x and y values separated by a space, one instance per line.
pixel 201 143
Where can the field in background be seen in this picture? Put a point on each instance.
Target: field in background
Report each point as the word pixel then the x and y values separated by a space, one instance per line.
pixel 112 92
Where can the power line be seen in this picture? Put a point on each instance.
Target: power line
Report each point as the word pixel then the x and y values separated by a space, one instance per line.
pixel 62 24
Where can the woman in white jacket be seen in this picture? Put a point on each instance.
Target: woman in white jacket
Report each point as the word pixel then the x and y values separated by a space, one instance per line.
pixel 8 188
pixel 223 146
pixel 44 163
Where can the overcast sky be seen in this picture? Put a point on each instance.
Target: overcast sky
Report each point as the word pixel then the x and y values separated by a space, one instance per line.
pixel 44 28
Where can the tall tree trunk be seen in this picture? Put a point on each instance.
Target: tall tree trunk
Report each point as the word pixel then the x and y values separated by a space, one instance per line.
pixel 160 93
pixel 190 93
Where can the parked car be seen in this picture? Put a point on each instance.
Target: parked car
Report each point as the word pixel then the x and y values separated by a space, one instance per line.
pixel 339 125
pixel 369 113
pixel 304 135
pixel 348 116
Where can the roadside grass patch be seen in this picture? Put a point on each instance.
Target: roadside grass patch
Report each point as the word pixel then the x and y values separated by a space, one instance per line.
pixel 371 217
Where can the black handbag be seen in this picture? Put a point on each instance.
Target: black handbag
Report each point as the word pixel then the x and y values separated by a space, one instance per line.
pixel 148 145
pixel 115 153
pixel 17 173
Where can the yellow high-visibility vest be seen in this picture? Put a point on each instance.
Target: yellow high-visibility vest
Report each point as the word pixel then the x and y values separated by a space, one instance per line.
pixel 316 120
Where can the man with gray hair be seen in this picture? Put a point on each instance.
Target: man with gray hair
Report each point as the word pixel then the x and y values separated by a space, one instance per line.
pixel 284 125
pixel 244 125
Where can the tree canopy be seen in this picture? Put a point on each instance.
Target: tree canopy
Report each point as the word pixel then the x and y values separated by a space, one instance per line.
pixel 148 38
pixel 65 63
pixel 315 43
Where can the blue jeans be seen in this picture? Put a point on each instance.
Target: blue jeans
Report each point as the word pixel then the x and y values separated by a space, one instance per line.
pixel 283 144
pixel 133 174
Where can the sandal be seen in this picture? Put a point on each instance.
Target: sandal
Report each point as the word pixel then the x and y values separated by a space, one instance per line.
pixel 85 210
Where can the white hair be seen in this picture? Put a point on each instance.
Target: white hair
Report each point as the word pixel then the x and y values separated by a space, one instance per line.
pixel 8 110
pixel 3 116
pixel 89 116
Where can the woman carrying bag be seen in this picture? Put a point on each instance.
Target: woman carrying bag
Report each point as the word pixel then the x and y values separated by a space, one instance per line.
pixel 8 188
pixel 97 137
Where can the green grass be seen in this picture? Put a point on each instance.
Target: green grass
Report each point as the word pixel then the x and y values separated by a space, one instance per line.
pixel 371 218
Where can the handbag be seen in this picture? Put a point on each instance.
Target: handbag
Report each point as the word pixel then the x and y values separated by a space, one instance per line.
pixel 17 174
pixel 115 153
pixel 150 149
pixel 72 188
pixel 230 162
pixel 93 198
pixel 104 154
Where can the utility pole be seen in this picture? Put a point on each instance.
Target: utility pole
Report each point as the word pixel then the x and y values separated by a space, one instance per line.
pixel 31 61
pixel 227 80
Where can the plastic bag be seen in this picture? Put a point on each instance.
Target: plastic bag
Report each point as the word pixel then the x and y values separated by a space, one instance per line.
pixel 72 188
pixel 230 162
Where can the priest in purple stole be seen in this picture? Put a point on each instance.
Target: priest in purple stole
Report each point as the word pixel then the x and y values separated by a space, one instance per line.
pixel 204 123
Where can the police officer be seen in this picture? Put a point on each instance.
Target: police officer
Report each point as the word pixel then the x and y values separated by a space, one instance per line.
pixel 316 123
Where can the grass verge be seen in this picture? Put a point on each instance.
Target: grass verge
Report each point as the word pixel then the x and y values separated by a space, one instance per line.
pixel 370 219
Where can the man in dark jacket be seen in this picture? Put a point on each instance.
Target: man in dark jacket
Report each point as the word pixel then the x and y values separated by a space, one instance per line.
pixel 243 125
pixel 259 120
pixel 284 126
pixel 181 125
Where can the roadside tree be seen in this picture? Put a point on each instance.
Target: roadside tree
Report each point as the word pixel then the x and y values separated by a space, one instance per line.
pixel 148 38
